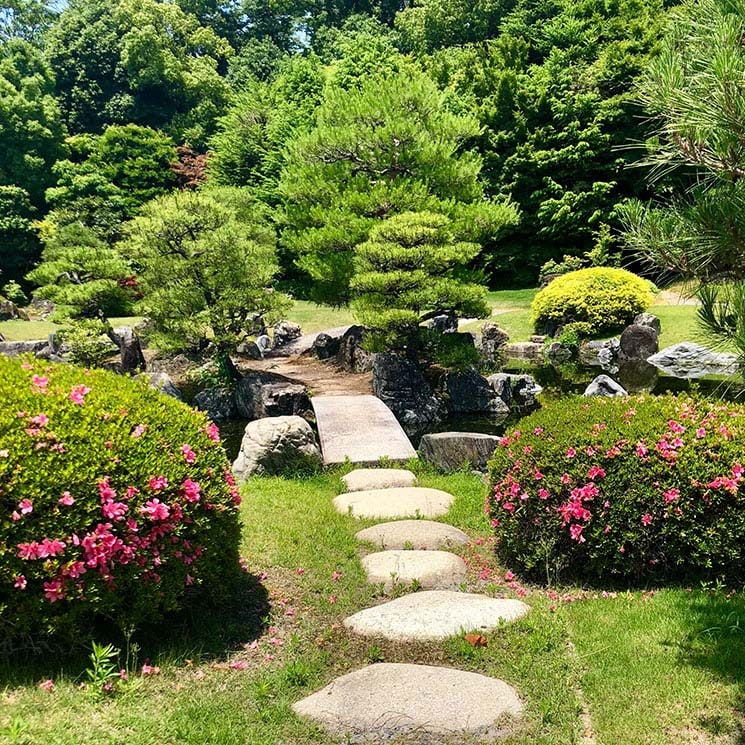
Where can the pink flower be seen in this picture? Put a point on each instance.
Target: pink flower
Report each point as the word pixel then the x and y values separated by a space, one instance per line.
pixel 537 475
pixel 15 516
pixel 191 490
pixel 53 591
pixel 575 532
pixel 595 472
pixel 114 510
pixel 646 519
pixel 336 576
pixel 570 453
pixel 105 491
pixel 300 571
pixel 157 483
pixel 238 665
pixel 213 432
pixel 543 494
pixel 508 576
pixel 189 580
pixel 26 506
pixel 671 495
pixel 565 478
pixel 66 499
pixel 20 582
pixel 47 685
pixel 78 394
pixel 53 547
pixel 700 432
pixel 40 420
pixel 40 382
pixel 155 510
pixel 332 599
pixel 276 641
pixel 538 431
pixel 189 455
pixel 139 430
pixel 485 573
pixel 150 670
pixel 28 551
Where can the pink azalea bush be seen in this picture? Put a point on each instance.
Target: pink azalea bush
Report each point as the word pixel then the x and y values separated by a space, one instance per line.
pixel 116 502
pixel 629 489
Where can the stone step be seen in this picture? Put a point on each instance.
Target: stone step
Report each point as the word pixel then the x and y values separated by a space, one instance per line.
pixel 368 479
pixel 433 570
pixel 433 615
pixel 411 501
pixel 413 703
pixel 413 534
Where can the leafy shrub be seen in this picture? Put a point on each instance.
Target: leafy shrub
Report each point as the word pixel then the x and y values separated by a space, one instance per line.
pixel 117 503
pixel 87 342
pixel 606 298
pixel 627 489
pixel 554 268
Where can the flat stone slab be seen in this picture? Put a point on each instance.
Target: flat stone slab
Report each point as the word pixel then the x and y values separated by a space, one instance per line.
pixel 412 704
pixel 433 615
pixel 411 501
pixel 413 534
pixel 359 428
pixel 365 479
pixel 432 569
pixel 690 360
pixel 450 451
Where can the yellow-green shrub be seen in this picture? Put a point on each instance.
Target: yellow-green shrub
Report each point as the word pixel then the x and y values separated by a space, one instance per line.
pixel 605 299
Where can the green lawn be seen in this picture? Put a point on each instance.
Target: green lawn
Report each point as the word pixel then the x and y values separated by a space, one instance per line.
pixel 665 670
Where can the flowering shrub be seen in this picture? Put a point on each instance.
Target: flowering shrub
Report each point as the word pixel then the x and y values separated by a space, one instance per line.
pixel 116 502
pixel 601 298
pixel 629 489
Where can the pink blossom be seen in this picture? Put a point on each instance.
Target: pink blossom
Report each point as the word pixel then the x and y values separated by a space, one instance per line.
pixel 300 571
pixel 26 506
pixel 15 516
pixel 53 591
pixel 157 483
pixel 671 495
pixel 189 455
pixel 575 532
pixel 595 472
pixel 19 582
pixel 276 641
pixel 150 670
pixel 114 510
pixel 641 449
pixel 485 573
pixel 565 478
pixel 213 432
pixel 188 580
pixel 700 433
pixel 538 431
pixel 238 665
pixel 332 599
pixel 139 430
pixel 606 529
pixel 105 491
pixel 508 576
pixel 40 382
pixel 336 576
pixel 53 547
pixel 191 490
pixel 155 510
pixel 646 519
pixel 47 685
pixel 78 394
pixel 537 475
pixel 570 453
pixel 543 494
pixel 28 551
pixel 40 420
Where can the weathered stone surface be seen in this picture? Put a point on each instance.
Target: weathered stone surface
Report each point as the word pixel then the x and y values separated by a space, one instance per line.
pixel 413 534
pixel 162 382
pixel 8 309
pixel 648 319
pixel 603 354
pixel 637 376
pixel 366 479
pixel 326 346
pixel 556 353
pixel 517 391
pixel 433 570
pixel 286 331
pixel 471 393
pixel 638 342
pixel 218 402
pixel 449 451
pixel 276 445
pixel 248 393
pixel 14 348
pixel 524 350
pixel 351 356
pixel 303 344
pixel 492 342
pixel 689 360
pixel 130 349
pixel 415 704
pixel 250 349
pixel 399 383
pixel 412 501
pixel 444 323
pixel 434 615
pixel 604 386
pixel 285 399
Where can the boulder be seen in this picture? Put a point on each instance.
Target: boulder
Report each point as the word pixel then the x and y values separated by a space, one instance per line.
pixel 518 391
pixel 444 323
pixel 161 382
pixel 8 309
pixel 400 385
pixel 689 360
pixel 277 445
pixel 249 349
pixel 603 354
pixel 218 402
pixel 450 451
pixel 130 349
pixel 648 319
pixel 285 399
pixel 256 326
pixel 248 397
pixel 15 348
pixel 604 386
pixel 638 342
pixel 556 353
pixel 351 356
pixel 524 350
pixel 326 346
pixel 470 393
pixel 286 331
pixel 492 342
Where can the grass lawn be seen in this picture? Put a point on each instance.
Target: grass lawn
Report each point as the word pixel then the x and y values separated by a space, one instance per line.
pixel 652 671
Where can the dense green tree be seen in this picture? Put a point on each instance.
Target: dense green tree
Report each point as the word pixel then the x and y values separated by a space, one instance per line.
pixel 694 92
pixel 19 242
pixel 389 147
pixel 140 61
pixel 31 133
pixel 206 263
pixel 25 19
pixel 413 268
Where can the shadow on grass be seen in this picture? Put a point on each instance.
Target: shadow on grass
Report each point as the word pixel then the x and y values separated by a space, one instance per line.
pixel 204 630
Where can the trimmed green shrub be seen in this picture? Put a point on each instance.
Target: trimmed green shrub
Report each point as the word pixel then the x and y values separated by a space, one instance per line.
pixel 605 298
pixel 118 503
pixel 624 489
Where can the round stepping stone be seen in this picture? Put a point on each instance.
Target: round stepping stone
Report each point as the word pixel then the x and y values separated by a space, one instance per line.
pixel 407 501
pixel 432 569
pixel 388 701
pixel 365 479
pixel 413 534
pixel 434 615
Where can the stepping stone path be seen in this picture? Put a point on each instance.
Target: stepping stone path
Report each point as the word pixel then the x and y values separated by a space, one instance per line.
pixel 418 703
pixel 431 569
pixel 407 501
pixel 365 479
pixel 434 615
pixel 413 534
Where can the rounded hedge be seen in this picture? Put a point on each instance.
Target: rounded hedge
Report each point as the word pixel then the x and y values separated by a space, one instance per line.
pixel 118 503
pixel 602 299
pixel 624 488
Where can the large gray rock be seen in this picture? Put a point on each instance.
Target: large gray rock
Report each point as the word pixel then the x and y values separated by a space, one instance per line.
pixel 450 451
pixel 444 323
pixel 15 348
pixel 400 385
pixel 283 444
pixel 285 332
pixel 518 391
pixel 689 360
pixel 492 342
pixel 432 570
pixel 413 704
pixel 412 501
pixel 326 346
pixel 161 382
pixel 603 354
pixel 250 349
pixel 413 534
pixel 604 386
pixel 648 319
pixel 556 353
pixel 351 356
pixel 218 402
pixel 285 399
pixel 638 342
pixel 366 479
pixel 9 310
pixel 524 350
pixel 433 615
pixel 130 349
pixel 471 393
